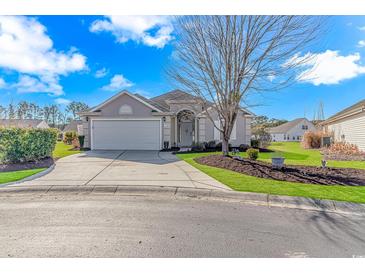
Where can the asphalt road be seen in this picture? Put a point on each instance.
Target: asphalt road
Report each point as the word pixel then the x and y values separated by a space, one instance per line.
pixel 157 226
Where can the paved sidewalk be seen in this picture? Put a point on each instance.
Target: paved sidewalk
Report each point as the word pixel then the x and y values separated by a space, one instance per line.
pixel 117 168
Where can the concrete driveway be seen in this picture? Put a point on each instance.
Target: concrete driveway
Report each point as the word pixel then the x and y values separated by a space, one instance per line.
pixel 113 168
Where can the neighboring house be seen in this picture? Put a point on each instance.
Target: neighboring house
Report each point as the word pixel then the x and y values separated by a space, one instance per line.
pixel 23 123
pixel 176 118
pixel 75 125
pixel 291 131
pixel 348 125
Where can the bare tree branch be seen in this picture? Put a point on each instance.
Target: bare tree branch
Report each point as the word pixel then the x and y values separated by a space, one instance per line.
pixel 221 59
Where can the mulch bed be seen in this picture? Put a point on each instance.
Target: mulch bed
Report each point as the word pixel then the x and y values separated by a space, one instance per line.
pixel 300 174
pixel 44 163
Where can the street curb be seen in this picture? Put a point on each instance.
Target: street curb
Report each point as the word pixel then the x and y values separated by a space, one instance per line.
pixel 32 177
pixel 270 201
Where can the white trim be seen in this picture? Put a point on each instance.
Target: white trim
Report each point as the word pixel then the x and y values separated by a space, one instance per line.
pixel 120 94
pixel 124 119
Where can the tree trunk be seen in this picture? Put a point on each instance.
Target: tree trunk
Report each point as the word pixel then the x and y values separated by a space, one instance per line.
pixel 225 146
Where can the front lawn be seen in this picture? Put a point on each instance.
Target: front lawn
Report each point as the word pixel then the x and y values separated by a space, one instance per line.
pixel 294 155
pixel 6 177
pixel 63 150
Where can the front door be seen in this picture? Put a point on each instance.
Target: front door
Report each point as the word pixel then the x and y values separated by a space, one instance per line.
pixel 186 134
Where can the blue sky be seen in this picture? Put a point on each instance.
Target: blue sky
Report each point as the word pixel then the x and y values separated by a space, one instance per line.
pixel 48 59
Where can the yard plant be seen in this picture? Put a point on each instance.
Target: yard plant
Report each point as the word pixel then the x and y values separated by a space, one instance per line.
pixel 252 153
pixel 22 145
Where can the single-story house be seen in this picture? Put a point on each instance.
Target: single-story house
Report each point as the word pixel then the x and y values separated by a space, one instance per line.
pixel 23 123
pixel 291 131
pixel 176 118
pixel 74 125
pixel 348 125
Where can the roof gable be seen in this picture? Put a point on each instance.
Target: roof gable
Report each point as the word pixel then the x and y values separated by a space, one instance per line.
pixel 134 96
pixel 21 123
pixel 287 126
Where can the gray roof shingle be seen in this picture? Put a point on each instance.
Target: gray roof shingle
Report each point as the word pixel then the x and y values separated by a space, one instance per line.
pixel 285 127
pixel 20 123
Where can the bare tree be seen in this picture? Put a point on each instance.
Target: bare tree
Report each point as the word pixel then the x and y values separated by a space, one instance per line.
pixel 75 107
pixel 3 112
pixel 221 59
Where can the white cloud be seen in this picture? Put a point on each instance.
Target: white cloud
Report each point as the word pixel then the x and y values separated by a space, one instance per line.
pixel 62 101
pixel 330 67
pixel 362 28
pixel 155 31
pixel 101 73
pixel 33 84
pixel 361 44
pixel 118 82
pixel 26 48
pixel 2 83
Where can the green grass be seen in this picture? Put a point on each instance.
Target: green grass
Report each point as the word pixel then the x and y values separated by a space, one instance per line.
pixel 294 155
pixel 63 150
pixel 6 177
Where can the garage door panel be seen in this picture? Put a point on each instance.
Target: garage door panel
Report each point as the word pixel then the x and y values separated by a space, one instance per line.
pixel 126 134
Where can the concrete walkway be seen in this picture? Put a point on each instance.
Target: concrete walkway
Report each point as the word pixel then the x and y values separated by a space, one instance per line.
pixel 117 168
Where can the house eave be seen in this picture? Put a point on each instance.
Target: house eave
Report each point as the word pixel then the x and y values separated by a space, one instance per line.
pixel 343 116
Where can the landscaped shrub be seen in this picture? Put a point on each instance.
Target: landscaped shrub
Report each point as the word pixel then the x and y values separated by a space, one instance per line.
pixel 196 146
pixel 344 148
pixel 243 147
pixel 69 137
pixel 312 139
pixel 81 140
pixel 210 145
pixel 23 145
pixel 255 143
pixel 218 146
pixel 252 153
pixel 342 151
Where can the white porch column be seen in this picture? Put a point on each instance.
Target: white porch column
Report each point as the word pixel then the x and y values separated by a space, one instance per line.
pixel 175 131
pixel 196 130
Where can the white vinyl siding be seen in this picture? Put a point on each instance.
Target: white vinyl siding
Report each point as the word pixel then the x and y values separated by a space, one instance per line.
pixel 351 130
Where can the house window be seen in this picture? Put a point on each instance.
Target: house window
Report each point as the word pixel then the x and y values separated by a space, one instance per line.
pixel 298 138
pixel 293 137
pixel 125 110
pixel 304 127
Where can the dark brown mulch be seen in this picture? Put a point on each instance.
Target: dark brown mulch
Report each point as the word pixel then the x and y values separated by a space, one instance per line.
pixel 300 174
pixel 44 163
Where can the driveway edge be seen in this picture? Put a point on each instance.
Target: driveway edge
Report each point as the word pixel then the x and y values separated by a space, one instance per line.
pixel 31 177
pixel 270 201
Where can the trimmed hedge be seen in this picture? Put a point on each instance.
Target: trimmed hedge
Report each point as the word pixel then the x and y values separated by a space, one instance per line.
pixel 24 145
pixel 252 153
pixel 69 137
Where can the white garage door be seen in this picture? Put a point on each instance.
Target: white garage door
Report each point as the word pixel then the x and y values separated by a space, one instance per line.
pixel 126 134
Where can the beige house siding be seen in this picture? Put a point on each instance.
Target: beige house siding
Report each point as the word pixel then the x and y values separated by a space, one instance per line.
pixel 126 106
pixel 243 129
pixel 350 129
